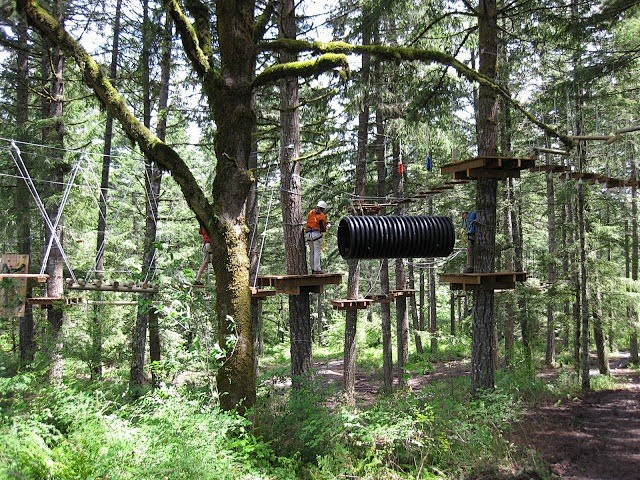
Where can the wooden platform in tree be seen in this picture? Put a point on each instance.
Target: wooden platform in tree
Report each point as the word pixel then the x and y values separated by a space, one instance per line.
pixel 378 297
pixel 262 293
pixel 293 284
pixel 351 304
pixel 114 286
pixel 483 281
pixel 402 293
pixel 41 278
pixel 386 298
pixel 367 208
pixel 46 302
pixel 488 167
pixel 550 168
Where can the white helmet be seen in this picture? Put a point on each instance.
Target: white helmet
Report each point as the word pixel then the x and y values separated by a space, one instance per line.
pixel 322 204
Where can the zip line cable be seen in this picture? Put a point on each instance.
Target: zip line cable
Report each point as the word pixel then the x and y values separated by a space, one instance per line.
pixel 34 193
pixel 63 202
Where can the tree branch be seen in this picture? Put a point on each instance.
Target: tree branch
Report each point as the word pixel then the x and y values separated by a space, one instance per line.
pixel 94 77
pixel 302 68
pixel 399 54
pixel 192 37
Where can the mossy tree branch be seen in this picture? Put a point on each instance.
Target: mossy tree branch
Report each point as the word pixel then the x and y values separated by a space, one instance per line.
pixel 399 54
pixel 191 38
pixel 262 21
pixel 94 77
pixel 302 68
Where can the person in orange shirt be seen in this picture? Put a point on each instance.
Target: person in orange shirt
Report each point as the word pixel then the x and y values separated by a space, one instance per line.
pixel 316 225
pixel 206 255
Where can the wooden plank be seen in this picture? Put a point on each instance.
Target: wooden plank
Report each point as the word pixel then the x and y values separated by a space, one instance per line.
pixel 402 293
pixel 465 165
pixel 494 173
pixel 54 301
pixel 41 278
pixel 351 304
pixel 293 282
pixel 550 168
pixel 262 293
pixel 113 288
pixel 460 278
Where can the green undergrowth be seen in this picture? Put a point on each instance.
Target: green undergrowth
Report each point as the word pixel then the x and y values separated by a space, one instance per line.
pixel 68 433
pixel 90 430
pixel 440 432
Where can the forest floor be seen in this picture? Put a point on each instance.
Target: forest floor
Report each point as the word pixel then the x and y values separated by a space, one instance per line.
pixel 590 436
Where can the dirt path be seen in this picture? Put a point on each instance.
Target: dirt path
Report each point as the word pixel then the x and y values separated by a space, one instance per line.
pixel 592 436
pixel 595 436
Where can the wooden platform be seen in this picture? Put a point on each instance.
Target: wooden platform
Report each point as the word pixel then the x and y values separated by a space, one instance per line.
pixel 488 167
pixel 550 168
pixel 114 286
pixel 351 304
pixel 386 298
pixel 293 284
pixel 367 208
pixel 262 293
pixel 46 302
pixel 483 281
pixel 40 278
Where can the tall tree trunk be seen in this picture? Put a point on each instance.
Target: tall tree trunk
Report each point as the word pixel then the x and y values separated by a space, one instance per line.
pixel 96 314
pixel 633 343
pixel 433 317
pixel 21 197
pixel 402 317
pixel 482 367
pixel 598 333
pixel 152 184
pixel 385 306
pixel 550 353
pixel 53 134
pixel 291 203
pixel 414 309
pixel 353 287
pixel 233 143
pixel 510 300
pixel 163 104
pixel 584 311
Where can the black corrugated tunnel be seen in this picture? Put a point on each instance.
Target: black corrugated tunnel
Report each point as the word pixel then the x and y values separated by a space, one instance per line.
pixel 395 236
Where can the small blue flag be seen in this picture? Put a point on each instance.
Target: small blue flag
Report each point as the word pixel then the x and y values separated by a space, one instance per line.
pixel 428 162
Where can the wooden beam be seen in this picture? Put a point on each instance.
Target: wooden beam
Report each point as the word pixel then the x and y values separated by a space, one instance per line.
pixel 291 284
pixel 42 278
pixel 351 304
pixel 53 301
pixel 553 151
pixel 114 287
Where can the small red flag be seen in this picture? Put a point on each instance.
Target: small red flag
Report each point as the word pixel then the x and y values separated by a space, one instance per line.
pixel 400 167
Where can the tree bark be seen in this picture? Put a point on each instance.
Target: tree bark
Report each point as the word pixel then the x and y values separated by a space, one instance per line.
pixel 634 357
pixel 21 197
pixel 402 317
pixel 291 203
pixel 414 309
pixel 161 129
pixel 385 306
pixel 550 353
pixel 482 367
pixel 598 333
pixel 53 134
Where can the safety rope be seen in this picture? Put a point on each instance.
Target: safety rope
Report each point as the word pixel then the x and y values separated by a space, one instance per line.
pixel 264 236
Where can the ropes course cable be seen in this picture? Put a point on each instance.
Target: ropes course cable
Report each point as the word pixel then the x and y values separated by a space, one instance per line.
pixel 34 193
pixel 264 236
